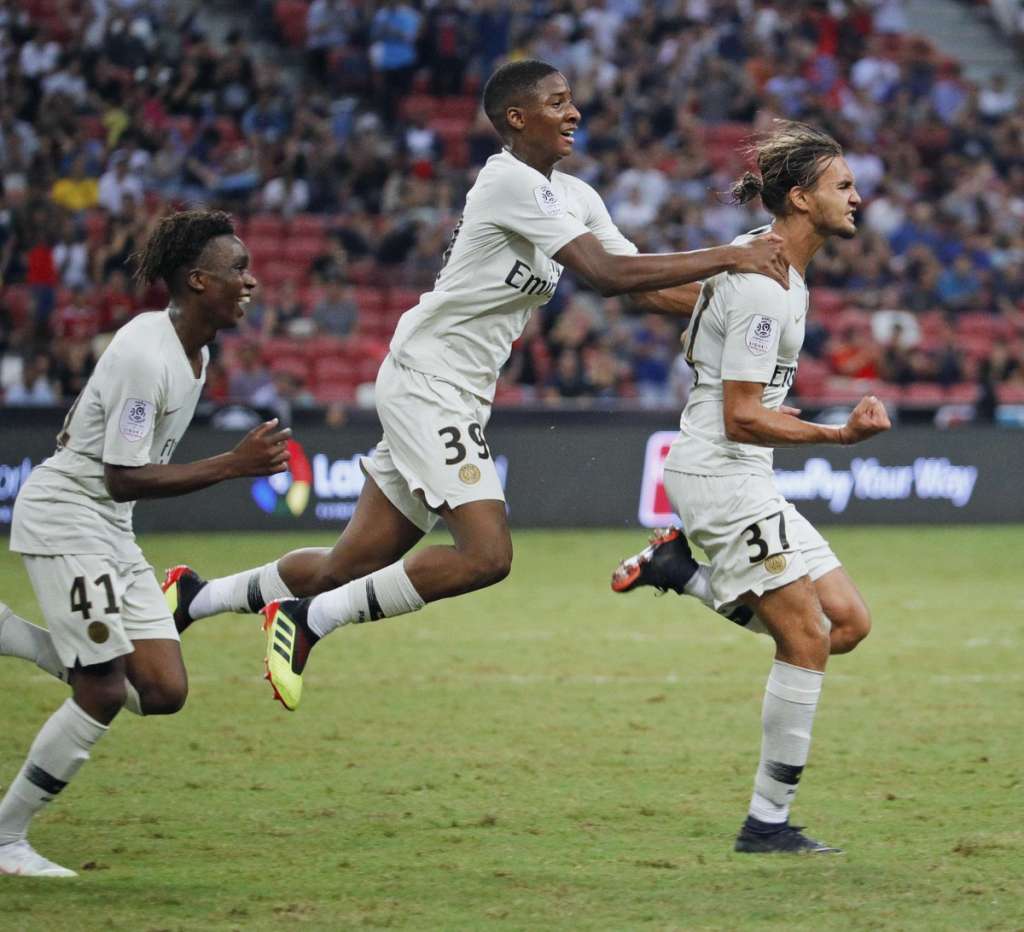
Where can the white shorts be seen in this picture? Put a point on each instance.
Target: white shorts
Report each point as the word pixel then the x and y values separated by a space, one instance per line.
pixel 434 451
pixel 755 539
pixel 95 607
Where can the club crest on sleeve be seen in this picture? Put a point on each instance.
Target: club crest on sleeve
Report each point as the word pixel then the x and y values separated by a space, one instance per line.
pixel 136 419
pixel 548 201
pixel 761 334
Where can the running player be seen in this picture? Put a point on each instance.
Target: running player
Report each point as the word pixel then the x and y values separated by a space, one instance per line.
pixel 110 632
pixel 523 222
pixel 769 569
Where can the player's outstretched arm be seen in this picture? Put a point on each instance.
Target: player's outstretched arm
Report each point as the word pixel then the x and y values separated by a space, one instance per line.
pixel 679 301
pixel 262 452
pixel 612 274
pixel 747 420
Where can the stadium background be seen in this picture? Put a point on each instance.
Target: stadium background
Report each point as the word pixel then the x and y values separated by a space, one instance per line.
pixel 343 137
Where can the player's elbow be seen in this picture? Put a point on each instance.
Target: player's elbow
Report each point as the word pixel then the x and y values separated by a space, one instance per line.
pixel 739 426
pixel 118 484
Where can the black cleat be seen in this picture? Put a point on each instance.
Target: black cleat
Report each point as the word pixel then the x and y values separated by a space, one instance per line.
pixel 180 586
pixel 781 839
pixel 665 563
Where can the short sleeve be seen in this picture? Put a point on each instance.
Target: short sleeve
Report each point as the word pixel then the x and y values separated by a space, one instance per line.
pixel 600 223
pixel 525 202
pixel 132 396
pixel 754 319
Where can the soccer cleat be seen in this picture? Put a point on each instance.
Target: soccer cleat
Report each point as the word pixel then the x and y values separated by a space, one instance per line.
pixel 665 563
pixel 787 839
pixel 289 642
pixel 20 859
pixel 180 586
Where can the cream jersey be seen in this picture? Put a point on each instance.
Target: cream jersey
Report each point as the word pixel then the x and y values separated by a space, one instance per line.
pixel 497 269
pixel 133 410
pixel 746 328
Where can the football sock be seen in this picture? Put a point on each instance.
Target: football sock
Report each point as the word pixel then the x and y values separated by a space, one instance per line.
pixel 382 594
pixel 21 638
pixel 59 750
pixel 787 716
pixel 248 591
pixel 699 586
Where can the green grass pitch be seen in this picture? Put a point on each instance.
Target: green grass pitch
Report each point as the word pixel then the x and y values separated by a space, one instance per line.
pixel 547 755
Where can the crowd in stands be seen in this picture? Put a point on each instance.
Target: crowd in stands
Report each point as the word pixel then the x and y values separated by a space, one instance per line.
pixel 344 135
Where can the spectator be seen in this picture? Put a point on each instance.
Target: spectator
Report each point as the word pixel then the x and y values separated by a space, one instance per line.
pixel 393 33
pixel 336 313
pixel 249 375
pixel 117 182
pixel 35 390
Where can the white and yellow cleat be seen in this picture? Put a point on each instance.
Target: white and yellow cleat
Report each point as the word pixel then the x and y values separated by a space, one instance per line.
pixel 289 642
pixel 20 859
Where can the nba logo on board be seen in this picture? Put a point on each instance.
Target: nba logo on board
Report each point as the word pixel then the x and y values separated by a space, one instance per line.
pixel 655 508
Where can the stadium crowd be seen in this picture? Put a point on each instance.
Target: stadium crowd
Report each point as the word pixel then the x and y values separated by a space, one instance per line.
pixel 343 136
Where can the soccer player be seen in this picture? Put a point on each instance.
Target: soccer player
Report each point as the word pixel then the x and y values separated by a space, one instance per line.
pixel 110 633
pixel 523 222
pixel 769 569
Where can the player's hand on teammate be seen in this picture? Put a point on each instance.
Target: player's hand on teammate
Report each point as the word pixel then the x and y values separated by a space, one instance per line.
pixel 764 256
pixel 264 450
pixel 866 420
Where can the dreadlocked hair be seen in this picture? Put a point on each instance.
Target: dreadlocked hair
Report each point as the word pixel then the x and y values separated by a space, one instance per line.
pixel 792 155
pixel 177 242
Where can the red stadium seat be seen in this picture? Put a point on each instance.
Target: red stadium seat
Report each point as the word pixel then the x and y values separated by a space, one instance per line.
pixel 1010 394
pixel 327 392
pixel 962 393
pixel 335 368
pixel 17 299
pixel 419 105
pixel 826 301
pixel 308 225
pixel 923 395
pixel 266 225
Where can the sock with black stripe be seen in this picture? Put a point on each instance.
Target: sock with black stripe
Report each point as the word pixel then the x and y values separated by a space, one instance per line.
pixel 383 594
pixel 248 591
pixel 787 716
pixel 56 755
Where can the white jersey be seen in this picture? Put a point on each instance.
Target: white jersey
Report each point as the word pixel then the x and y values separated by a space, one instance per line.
pixel 133 410
pixel 498 268
pixel 746 328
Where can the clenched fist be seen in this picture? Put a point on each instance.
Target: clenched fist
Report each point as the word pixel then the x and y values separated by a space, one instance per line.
pixel 866 420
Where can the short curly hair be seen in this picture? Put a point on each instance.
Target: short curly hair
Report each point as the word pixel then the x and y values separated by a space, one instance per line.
pixel 177 242
pixel 509 85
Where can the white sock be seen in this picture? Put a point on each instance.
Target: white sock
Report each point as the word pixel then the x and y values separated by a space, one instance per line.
pixel 699 586
pixel 247 591
pixel 21 638
pixel 790 701
pixel 60 749
pixel 382 594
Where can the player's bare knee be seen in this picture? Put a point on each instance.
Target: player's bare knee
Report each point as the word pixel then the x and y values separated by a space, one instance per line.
pixel 490 565
pixel 164 698
pixel 850 628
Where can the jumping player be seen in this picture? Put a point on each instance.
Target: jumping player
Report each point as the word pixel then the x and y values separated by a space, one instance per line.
pixel 769 569
pixel 110 632
pixel 523 222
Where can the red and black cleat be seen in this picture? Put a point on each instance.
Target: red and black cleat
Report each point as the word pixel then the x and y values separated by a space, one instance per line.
pixel 665 563
pixel 180 586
